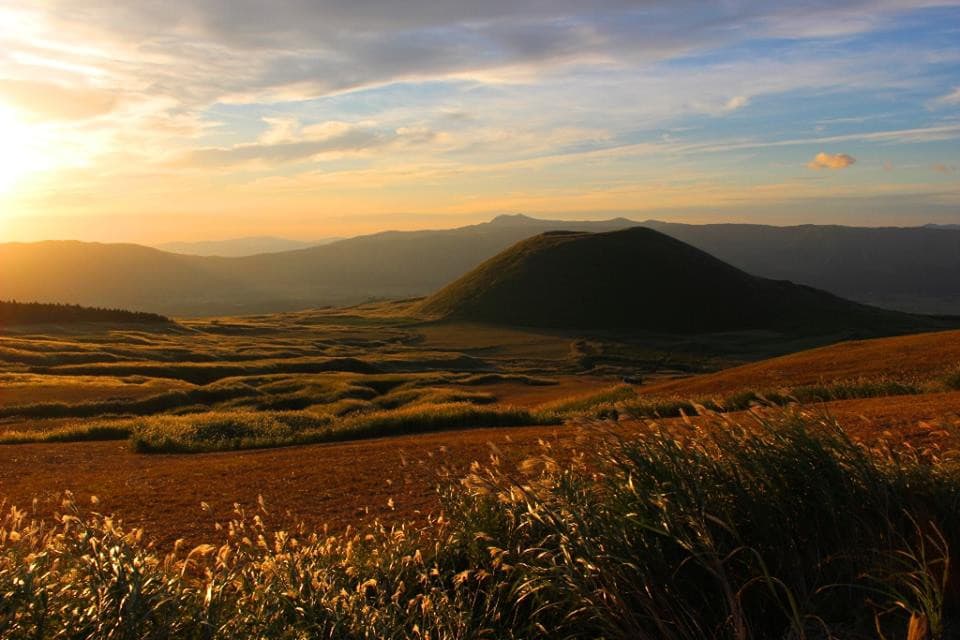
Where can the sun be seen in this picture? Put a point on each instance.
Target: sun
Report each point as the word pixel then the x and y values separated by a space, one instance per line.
pixel 18 151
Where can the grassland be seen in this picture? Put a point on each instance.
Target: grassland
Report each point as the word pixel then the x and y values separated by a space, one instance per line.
pixel 782 528
pixel 361 420
pixel 360 374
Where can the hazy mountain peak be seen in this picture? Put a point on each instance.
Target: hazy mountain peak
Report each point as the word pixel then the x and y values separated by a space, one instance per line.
pixel 515 218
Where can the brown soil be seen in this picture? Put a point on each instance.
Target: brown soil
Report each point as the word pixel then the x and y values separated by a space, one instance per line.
pixel 349 483
pixel 336 484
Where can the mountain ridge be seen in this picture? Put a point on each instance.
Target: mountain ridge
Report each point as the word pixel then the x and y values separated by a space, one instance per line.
pixel 913 269
pixel 240 247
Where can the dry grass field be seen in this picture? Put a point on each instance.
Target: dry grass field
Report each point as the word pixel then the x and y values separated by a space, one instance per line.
pixel 924 356
pixel 345 484
pixel 353 421
pixel 367 364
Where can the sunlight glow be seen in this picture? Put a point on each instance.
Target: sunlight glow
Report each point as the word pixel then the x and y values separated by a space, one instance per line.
pixel 19 155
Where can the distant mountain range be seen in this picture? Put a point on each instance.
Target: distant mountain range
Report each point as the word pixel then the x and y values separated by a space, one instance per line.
pixel 911 269
pixel 239 247
pixel 642 279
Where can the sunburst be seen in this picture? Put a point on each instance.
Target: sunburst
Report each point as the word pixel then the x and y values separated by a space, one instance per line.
pixel 19 156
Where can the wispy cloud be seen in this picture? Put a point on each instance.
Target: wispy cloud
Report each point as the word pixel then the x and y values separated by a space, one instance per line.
pixel 48 101
pixel 949 99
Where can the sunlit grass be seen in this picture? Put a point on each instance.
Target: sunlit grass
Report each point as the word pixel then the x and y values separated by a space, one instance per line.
pixel 630 401
pixel 780 528
pixel 87 431
pixel 219 431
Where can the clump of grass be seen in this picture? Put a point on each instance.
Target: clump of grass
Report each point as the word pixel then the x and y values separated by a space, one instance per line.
pixel 584 403
pixel 233 430
pixel 492 378
pixel 434 417
pixel 227 430
pixel 952 380
pixel 623 400
pixel 783 529
pixel 81 432
pixel 856 388
pixel 406 396
pixel 166 401
pixel 207 372
pixel 343 407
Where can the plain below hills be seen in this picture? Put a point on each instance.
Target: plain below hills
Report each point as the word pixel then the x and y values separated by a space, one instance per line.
pixel 641 279
pixel 911 269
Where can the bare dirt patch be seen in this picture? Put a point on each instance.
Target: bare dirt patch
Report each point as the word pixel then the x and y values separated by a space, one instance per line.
pixel 337 485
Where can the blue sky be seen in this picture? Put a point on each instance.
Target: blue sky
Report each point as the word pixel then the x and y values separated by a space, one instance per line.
pixel 207 118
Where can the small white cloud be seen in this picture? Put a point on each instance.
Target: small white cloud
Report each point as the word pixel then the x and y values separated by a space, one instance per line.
pixel 940 167
pixel 831 161
pixel 736 102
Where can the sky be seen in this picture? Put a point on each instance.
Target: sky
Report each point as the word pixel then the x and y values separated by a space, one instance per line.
pixel 158 120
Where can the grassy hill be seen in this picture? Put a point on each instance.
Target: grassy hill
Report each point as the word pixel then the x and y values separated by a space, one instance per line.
pixel 922 356
pixel 18 313
pixel 641 279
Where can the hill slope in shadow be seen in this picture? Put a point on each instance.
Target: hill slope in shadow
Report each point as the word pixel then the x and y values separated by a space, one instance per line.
pixel 28 313
pixel 128 276
pixel 642 279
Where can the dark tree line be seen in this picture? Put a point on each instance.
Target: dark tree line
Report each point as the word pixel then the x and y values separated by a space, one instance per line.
pixel 13 312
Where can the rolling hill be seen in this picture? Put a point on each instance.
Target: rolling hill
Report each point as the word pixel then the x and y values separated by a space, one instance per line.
pixel 642 279
pixel 911 269
pixel 921 356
